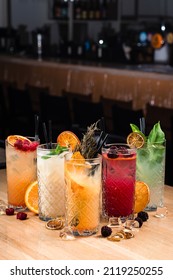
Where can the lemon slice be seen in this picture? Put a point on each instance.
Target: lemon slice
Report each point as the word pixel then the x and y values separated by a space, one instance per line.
pixel 135 140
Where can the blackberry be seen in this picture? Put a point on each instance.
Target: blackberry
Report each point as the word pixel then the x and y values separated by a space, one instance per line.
pixel 143 215
pixel 113 152
pixel 140 221
pixel 106 231
pixel 112 155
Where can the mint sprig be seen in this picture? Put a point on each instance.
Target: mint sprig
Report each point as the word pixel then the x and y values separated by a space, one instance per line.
pixel 59 150
pixel 156 135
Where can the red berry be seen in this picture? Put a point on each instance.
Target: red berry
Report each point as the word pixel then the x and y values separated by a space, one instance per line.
pixel 21 216
pixel 18 144
pixel 25 147
pixel 9 211
pixel 33 146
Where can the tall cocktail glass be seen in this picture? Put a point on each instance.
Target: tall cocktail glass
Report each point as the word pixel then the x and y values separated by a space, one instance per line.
pixel 51 185
pixel 119 175
pixel 151 170
pixel 21 169
pixel 83 189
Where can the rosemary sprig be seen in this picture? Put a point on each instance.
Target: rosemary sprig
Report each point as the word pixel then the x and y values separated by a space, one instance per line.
pixel 90 144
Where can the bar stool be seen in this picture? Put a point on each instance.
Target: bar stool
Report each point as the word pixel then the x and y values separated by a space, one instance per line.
pixel 56 109
pixel 86 113
pixel 21 115
pixel 107 104
pixel 34 93
pixel 122 117
pixel 72 96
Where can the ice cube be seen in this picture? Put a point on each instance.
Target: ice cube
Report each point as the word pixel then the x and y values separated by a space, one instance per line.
pixel 161 212
pixel 3 206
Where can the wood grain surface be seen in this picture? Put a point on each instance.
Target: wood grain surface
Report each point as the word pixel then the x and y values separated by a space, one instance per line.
pixel 30 240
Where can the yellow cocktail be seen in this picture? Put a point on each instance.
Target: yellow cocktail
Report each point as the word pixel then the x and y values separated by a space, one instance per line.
pixel 83 187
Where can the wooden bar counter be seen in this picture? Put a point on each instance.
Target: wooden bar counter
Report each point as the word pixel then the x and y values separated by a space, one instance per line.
pixel 30 240
pixel 141 83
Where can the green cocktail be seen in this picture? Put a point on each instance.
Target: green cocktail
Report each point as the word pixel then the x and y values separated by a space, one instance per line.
pixel 151 165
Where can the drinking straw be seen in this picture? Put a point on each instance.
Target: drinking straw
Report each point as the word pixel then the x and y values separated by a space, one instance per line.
pixel 142 125
pixel 45 135
pixel 100 137
pixel 103 141
pixel 36 127
pixel 102 122
pixel 50 133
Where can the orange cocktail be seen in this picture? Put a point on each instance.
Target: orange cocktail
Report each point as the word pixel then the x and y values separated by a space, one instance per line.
pixel 83 186
pixel 21 168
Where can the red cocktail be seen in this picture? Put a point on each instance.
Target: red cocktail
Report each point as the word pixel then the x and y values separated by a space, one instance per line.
pixel 119 172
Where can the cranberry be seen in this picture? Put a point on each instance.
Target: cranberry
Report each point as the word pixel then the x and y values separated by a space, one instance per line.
pixel 9 211
pixel 26 142
pixel 18 144
pixel 21 216
pixel 33 146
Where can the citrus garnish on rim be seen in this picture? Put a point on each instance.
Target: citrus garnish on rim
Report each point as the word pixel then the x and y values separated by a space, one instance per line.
pixel 11 139
pixel 31 197
pixel 142 196
pixel 68 139
pixel 135 140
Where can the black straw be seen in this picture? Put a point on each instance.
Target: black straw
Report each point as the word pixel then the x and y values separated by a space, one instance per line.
pixel 142 125
pixel 100 137
pixel 50 134
pixel 45 135
pixel 102 121
pixel 36 127
pixel 103 141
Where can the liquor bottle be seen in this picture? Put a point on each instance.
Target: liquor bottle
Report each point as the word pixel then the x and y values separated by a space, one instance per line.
pixel 77 9
pixel 64 9
pixel 84 10
pixel 104 9
pixel 57 9
pixel 91 10
pixel 97 9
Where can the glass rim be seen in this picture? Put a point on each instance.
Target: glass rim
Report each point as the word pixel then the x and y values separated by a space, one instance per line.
pixel 40 147
pixel 28 137
pixel 99 157
pixel 108 145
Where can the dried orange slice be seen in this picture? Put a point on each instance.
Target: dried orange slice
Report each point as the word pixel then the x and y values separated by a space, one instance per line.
pixel 77 155
pixel 142 196
pixel 135 140
pixel 31 197
pixel 68 139
pixel 13 138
